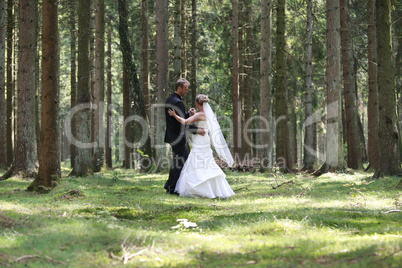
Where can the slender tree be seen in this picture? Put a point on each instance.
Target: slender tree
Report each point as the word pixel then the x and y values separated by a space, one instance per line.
pixel 26 152
pixel 310 140
pixel 128 128
pixel 235 80
pixel 372 108
pixel 82 163
pixel 194 53
pixel 389 163
pixel 177 40
pixel 355 158
pixel 265 138
pixel 248 85
pixel 183 20
pixel 135 90
pixel 281 91
pixel 73 75
pixel 99 89
pixel 3 122
pixel 162 48
pixel 49 158
pixel 10 82
pixel 108 137
pixel 145 56
pixel 37 74
pixel 334 142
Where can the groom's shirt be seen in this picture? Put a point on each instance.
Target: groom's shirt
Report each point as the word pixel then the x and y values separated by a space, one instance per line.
pixel 175 131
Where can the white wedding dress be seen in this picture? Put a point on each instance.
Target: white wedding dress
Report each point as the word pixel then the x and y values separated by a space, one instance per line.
pixel 201 176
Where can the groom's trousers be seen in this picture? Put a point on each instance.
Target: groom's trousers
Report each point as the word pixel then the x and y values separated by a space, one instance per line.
pixel 180 155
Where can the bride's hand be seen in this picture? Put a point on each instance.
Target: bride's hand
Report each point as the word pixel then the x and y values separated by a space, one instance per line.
pixel 171 112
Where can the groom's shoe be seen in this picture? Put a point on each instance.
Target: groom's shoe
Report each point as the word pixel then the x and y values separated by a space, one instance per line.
pixel 171 192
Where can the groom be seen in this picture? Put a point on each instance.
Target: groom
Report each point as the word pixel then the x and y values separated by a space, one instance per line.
pixel 175 132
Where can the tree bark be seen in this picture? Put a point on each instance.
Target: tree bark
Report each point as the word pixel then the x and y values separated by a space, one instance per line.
pixel 73 75
pixel 183 38
pixel 248 85
pixel 235 81
pixel 194 53
pixel 98 156
pixel 10 82
pixel 334 137
pixel 177 40
pixel 135 90
pixel 265 138
pixel 372 109
pixel 108 144
pixel 49 158
pixel 355 157
pixel 26 152
pixel 388 126
pixel 281 107
pixel 38 89
pixel 162 48
pixel 128 128
pixel 310 136
pixel 3 121
pixel 145 56
pixel 82 161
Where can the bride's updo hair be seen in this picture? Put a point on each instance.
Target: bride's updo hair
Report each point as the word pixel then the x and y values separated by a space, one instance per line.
pixel 201 98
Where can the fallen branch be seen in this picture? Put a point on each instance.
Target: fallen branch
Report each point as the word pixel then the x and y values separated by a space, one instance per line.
pixel 302 193
pixel 394 210
pixel 244 187
pixel 25 257
pixel 283 183
pixel 45 256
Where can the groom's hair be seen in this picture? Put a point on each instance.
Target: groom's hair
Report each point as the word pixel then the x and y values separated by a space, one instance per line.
pixel 180 83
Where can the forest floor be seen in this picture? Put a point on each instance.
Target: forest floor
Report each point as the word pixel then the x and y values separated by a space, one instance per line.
pixel 124 218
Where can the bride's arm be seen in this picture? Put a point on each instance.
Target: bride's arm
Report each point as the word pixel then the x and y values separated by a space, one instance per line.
pixel 196 117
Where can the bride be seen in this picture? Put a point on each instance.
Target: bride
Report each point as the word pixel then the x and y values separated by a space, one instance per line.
pixel 201 176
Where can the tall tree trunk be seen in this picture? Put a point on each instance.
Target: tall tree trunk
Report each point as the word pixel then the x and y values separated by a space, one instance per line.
pixel 145 56
pixel 292 125
pixel 3 122
pixel 93 111
pixel 26 152
pixel 235 81
pixel 265 140
pixel 37 76
pixel 248 84
pixel 388 126
pixel 281 115
pixel 128 128
pixel 310 136
pixel 82 163
pixel 108 144
pixel 99 90
pixel 162 48
pixel 49 158
pixel 177 40
pixel 183 38
pixel 355 157
pixel 194 53
pixel 10 82
pixel 135 90
pixel 73 75
pixel 334 137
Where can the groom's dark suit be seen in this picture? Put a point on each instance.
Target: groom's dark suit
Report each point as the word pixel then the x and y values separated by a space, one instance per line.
pixel 176 136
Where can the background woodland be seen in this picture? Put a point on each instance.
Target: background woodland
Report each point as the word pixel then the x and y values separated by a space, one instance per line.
pixel 318 81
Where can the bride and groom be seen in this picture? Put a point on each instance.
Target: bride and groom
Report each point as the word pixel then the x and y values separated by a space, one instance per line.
pixel 195 174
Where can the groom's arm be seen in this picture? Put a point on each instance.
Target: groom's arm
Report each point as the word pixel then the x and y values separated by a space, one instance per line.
pixel 190 128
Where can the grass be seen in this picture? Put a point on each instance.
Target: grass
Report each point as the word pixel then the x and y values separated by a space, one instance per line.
pixel 123 218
